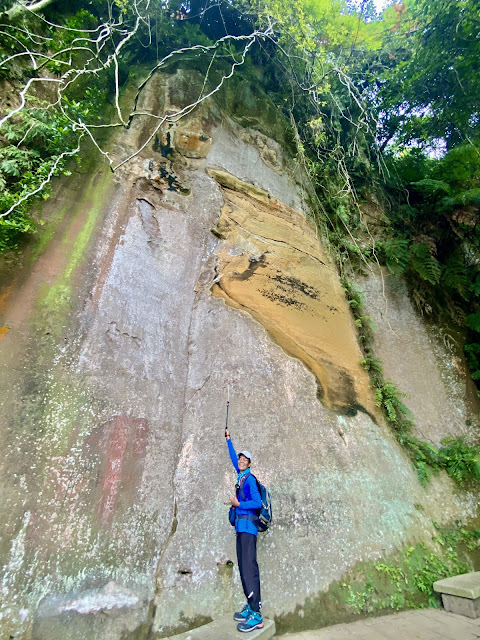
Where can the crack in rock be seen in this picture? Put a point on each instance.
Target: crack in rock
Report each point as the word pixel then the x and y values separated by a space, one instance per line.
pixel 114 333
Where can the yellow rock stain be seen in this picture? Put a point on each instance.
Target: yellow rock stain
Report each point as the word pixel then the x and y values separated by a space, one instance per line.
pixel 272 264
pixel 3 331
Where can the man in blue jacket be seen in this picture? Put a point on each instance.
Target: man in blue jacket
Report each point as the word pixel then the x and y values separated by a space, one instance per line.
pixel 246 502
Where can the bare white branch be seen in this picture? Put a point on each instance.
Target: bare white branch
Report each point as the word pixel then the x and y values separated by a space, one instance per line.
pixel 189 108
pixel 23 94
pixel 20 8
pixel 103 47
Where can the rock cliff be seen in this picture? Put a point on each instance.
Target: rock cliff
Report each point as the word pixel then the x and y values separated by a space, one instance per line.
pixel 193 265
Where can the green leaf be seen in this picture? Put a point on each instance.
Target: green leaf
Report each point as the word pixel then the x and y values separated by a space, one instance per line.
pixel 10 167
pixel 473 321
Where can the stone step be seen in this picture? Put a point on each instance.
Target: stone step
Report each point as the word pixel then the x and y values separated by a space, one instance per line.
pixel 225 628
pixel 461 594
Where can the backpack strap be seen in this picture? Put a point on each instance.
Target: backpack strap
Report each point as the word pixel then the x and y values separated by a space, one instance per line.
pixel 258 483
pixel 241 489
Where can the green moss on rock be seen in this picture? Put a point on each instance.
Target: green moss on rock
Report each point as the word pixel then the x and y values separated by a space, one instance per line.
pixel 248 105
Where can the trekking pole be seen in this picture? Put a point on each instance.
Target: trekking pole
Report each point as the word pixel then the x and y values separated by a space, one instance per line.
pixel 228 405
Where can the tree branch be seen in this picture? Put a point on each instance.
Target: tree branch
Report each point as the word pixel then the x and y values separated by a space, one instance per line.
pixel 103 47
pixel 20 8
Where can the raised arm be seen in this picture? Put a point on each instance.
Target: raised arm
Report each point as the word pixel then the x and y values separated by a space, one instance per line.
pixel 231 451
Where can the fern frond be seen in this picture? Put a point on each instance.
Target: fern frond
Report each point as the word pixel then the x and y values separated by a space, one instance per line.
pixel 455 276
pixel 397 255
pixel 371 364
pixel 471 196
pixel 388 397
pixel 432 187
pixel 425 264
pixel 428 240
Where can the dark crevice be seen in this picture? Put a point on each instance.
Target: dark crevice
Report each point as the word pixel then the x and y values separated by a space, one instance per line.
pixel 255 263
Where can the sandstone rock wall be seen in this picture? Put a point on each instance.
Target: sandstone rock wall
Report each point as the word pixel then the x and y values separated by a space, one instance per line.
pixel 424 361
pixel 192 265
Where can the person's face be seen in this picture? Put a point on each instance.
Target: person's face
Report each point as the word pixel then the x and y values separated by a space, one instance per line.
pixel 243 463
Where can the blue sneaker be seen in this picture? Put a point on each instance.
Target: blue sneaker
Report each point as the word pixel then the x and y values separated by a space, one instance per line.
pixel 254 621
pixel 241 616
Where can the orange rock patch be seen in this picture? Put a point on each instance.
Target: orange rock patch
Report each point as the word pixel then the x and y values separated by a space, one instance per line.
pixel 272 265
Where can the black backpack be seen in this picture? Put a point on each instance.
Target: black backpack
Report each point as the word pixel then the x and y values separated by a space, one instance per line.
pixel 264 514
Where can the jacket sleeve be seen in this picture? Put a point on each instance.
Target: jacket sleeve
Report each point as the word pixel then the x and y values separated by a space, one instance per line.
pixel 233 455
pixel 255 501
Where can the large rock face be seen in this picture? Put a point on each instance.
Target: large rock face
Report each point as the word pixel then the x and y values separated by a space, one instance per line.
pixel 272 265
pixel 192 266
pixel 443 402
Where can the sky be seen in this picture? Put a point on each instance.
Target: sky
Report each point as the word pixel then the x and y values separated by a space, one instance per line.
pixel 379 4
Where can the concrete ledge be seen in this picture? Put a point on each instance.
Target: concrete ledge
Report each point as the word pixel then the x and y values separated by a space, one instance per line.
pixel 466 585
pixel 225 628
pixel 461 594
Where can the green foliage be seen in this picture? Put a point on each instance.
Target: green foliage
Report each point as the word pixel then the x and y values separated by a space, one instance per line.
pixel 38 143
pixel 33 145
pixel 473 321
pixel 405 579
pixel 435 234
pixel 472 355
pixel 459 168
pixel 432 187
pixel 387 397
pixel 372 364
pixel 424 263
pixel 400 256
pixel 456 536
pixel 359 599
pixel 455 276
pixel 397 255
pixel 354 296
pixel 429 89
pixel 459 459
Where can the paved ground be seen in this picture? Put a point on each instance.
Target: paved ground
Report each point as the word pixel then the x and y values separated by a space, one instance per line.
pixel 225 628
pixel 426 624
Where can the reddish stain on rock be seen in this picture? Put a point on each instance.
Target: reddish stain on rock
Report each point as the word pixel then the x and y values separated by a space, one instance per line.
pixel 121 444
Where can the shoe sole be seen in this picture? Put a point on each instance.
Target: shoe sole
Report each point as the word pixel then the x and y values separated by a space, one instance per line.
pixel 240 618
pixel 257 626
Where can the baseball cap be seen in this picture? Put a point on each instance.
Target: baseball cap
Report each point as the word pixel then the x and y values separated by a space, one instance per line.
pixel 247 454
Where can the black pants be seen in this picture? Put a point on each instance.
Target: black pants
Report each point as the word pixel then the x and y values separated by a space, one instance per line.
pixel 249 573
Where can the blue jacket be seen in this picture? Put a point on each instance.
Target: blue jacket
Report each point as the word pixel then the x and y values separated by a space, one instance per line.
pixel 252 502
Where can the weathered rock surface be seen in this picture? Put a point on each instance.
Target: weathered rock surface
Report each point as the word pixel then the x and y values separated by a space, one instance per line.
pixel 442 402
pixel 109 612
pixel 113 369
pixel 273 265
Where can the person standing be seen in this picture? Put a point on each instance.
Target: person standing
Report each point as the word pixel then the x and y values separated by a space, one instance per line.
pixel 246 502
